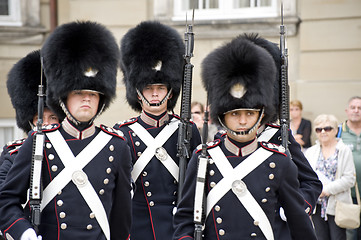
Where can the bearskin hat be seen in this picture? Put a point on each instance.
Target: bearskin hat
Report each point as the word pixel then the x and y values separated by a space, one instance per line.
pixel 22 84
pixel 151 53
pixel 274 50
pixel 80 55
pixel 240 74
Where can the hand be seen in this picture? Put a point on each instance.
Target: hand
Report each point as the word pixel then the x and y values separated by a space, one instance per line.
pixel 30 234
pixel 324 194
pixel 298 138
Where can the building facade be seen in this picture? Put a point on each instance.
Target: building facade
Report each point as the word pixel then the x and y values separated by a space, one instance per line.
pixel 323 41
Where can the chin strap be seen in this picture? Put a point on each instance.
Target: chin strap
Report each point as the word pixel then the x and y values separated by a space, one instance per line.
pixel 154 104
pixel 248 131
pixel 75 121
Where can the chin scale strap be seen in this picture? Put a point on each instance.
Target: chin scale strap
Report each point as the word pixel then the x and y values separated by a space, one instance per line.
pixel 153 104
pixel 248 131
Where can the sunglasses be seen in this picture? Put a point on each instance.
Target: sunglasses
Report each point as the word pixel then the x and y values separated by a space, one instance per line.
pixel 327 129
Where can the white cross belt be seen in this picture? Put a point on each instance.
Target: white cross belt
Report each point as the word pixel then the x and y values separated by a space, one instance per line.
pixel 232 179
pixel 152 145
pixel 73 172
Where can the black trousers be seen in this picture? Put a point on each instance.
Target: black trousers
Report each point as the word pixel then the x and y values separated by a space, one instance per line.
pixel 327 230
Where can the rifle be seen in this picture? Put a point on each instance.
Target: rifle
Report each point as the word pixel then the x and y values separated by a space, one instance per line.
pixel 284 98
pixel 199 199
pixel 185 127
pixel 35 193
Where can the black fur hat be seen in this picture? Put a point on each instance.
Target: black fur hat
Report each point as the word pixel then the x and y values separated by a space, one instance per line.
pixel 80 55
pixel 240 74
pixel 274 50
pixel 22 84
pixel 143 49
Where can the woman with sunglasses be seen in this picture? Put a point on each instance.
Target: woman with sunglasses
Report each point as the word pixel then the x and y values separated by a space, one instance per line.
pixel 332 161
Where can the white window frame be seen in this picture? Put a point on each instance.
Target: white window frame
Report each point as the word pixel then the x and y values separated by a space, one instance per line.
pixel 16 132
pixel 14 17
pixel 226 11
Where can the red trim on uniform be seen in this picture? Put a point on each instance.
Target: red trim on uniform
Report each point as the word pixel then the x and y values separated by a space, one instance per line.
pixel 185 237
pixel 12 225
pixel 311 210
pixel 273 150
pixel 131 139
pixel 103 127
pixel 272 125
pixel 128 237
pixel 14 152
pixel 215 225
pixel 150 212
pixel 127 123
pixel 216 143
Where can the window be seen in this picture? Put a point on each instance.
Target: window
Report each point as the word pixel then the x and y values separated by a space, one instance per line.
pixel 9 132
pixel 226 9
pixel 10 13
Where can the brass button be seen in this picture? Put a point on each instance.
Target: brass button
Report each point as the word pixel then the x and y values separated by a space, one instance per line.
pixel 62 215
pixel 63 226
pixel 272 165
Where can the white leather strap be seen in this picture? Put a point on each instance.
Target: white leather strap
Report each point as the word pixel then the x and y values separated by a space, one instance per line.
pixel 75 165
pixel 230 175
pixel 199 191
pixel 152 144
pixel 267 134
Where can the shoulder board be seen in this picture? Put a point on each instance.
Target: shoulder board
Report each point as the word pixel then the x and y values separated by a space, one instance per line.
pixel 273 125
pixel 126 122
pixel 273 148
pixel 48 128
pixel 176 116
pixel 220 134
pixel 112 131
pixel 14 150
pixel 210 145
pixel 13 144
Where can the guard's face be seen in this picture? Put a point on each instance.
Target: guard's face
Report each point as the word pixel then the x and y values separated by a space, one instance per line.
pixel 241 120
pixel 83 104
pixel 353 111
pixel 48 117
pixel 155 93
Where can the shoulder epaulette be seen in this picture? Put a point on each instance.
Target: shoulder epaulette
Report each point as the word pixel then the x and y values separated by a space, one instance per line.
pixel 273 125
pixel 273 148
pixel 112 131
pixel 14 150
pixel 126 122
pixel 48 128
pixel 210 145
pixel 176 116
pixel 13 144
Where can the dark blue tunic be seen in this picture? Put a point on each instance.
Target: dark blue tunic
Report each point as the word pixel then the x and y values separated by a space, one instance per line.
pixel 229 219
pixel 156 189
pixel 67 216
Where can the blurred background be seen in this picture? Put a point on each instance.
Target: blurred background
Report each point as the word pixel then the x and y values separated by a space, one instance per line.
pixel 323 41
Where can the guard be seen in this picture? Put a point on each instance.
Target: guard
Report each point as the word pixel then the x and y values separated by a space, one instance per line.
pixel 85 169
pixel 310 185
pixel 152 63
pixel 22 85
pixel 242 180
